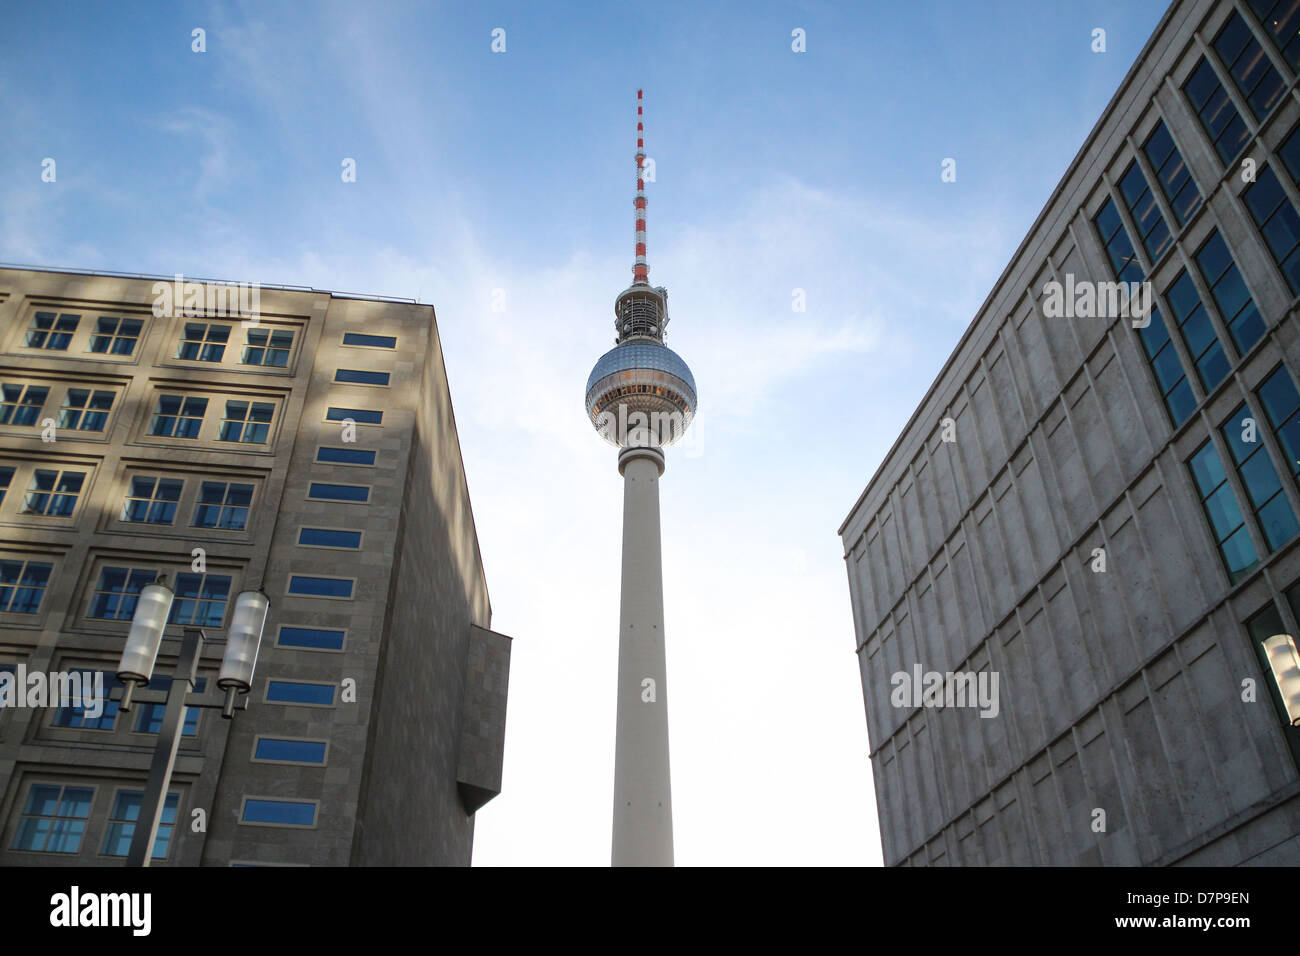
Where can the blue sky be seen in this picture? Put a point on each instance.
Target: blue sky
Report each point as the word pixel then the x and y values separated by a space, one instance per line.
pixel 481 171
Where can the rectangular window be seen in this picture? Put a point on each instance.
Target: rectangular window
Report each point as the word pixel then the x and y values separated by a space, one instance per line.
pixel 362 340
pixel 329 538
pixel 117 591
pixel 308 586
pixel 203 343
pixel 1278 223
pixel 344 456
pixel 1218 115
pixel 74 716
pixel 362 416
pixel 1267 499
pixel 152 500
pixel 248 422
pixel 178 416
pixel 223 505
pixel 6 478
pixel 1249 65
pixel 1146 213
pixel 1230 293
pixel 1198 334
pixel 51 332
pixel 1289 152
pixel 21 404
pixel 299 692
pixel 126 814
pixel 283 813
pixel 22 585
pixel 53 494
pixel 357 376
pixel 115 336
pixel 1172 173
pixel 53 819
pixel 311 638
pixel 268 347
pixel 280 750
pixel 1281 404
pixel 1226 522
pixel 86 409
pixel 329 492
pixel 1281 20
pixel 200 599
pixel 150 718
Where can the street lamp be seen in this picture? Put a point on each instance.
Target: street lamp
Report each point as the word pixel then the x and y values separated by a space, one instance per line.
pixel 1284 662
pixel 136 669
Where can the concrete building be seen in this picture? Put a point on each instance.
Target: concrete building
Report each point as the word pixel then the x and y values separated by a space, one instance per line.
pixel 1102 511
pixel 310 452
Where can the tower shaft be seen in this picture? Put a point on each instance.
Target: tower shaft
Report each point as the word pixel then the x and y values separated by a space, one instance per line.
pixel 643 808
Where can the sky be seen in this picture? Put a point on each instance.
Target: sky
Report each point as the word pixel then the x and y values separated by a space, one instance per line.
pixel 498 187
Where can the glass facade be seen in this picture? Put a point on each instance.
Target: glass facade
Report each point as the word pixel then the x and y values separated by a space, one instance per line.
pixel 1226 521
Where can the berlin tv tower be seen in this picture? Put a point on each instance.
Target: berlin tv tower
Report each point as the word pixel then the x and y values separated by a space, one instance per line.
pixel 641 397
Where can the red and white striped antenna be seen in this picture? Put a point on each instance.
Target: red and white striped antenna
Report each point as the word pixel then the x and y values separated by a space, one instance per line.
pixel 641 270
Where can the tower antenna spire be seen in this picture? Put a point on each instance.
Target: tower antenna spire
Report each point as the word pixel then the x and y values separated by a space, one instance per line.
pixel 641 270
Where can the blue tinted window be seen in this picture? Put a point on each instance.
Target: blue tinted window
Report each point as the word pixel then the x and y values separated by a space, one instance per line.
pixel 53 819
pixel 357 376
pixel 1226 522
pixel 322 489
pixel 289 813
pixel 293 751
pixel 1250 68
pixel 1198 334
pixel 85 712
pixel 1282 406
pixel 150 718
pixel 1171 172
pixel 363 416
pixel 1218 115
pixel 370 341
pixel 314 638
pixel 1267 499
pixel 345 456
pixel 329 538
pixel 1278 223
pixel 1230 293
pixel 1281 20
pixel 126 814
pixel 1145 212
pixel 22 585
pixel 320 587
pixel 296 692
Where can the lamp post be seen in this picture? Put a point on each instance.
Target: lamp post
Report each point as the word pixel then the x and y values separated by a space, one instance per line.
pixel 136 669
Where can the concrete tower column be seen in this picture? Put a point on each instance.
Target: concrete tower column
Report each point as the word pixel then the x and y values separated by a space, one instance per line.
pixel 643 806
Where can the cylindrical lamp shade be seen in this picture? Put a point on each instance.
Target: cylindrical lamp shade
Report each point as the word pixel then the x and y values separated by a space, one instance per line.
pixel 243 642
pixel 1284 662
pixel 145 636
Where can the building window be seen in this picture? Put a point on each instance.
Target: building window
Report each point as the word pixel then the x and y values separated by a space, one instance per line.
pixel 22 585
pixel 362 340
pixel 126 814
pixel 299 692
pixel 1218 115
pixel 311 638
pixel 329 538
pixel 1261 627
pixel 308 586
pixel 1282 406
pixel 203 343
pixel 1146 214
pixel 281 750
pixel 1230 293
pixel 248 422
pixel 223 505
pixel 200 599
pixel 51 332
pixel 115 336
pixel 53 494
pixel 1289 153
pixel 74 716
pixel 1172 173
pixel 152 500
pixel 1229 527
pixel 268 347
pixel 150 718
pixel 178 416
pixel 362 416
pixel 357 376
pixel 21 404
pixel 1263 489
pixel 53 819
pixel 1249 65
pixel 1278 223
pixel 85 409
pixel 1281 20
pixel 280 813
pixel 1198 334
pixel 344 456
pixel 324 491
pixel 117 591
pixel 6 478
